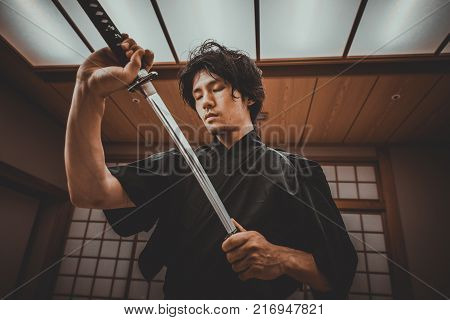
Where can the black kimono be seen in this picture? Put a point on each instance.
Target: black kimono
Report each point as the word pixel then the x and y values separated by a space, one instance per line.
pixel 283 196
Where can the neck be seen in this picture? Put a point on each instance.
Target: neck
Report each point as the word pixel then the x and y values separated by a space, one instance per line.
pixel 229 138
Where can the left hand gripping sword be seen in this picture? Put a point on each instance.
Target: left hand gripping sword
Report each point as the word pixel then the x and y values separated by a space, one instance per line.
pixel 143 83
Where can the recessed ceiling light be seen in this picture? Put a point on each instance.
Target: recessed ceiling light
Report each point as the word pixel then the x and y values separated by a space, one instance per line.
pixel 395 97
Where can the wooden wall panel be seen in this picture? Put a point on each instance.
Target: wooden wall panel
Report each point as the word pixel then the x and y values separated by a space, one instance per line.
pixel 381 115
pixel 287 103
pixel 115 126
pixel 336 104
pixel 419 120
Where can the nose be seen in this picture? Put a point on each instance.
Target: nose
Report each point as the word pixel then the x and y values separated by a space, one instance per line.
pixel 208 101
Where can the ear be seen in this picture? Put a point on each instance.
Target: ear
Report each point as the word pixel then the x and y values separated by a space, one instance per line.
pixel 250 102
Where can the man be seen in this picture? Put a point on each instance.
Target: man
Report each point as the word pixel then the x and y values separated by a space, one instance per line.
pixel 295 232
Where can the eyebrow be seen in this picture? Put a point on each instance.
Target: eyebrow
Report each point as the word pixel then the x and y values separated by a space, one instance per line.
pixel 209 83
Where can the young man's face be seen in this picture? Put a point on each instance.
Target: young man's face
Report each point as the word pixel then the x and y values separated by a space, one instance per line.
pixel 215 105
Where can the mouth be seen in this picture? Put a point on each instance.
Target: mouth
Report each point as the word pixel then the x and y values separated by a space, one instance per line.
pixel 210 115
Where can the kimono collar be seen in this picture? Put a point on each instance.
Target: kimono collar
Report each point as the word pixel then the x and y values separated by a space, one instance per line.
pixel 249 140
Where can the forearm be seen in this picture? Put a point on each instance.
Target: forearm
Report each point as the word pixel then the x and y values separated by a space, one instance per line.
pixel 301 266
pixel 84 154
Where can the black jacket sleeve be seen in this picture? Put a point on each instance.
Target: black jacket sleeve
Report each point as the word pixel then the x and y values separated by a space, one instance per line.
pixel 332 249
pixel 149 183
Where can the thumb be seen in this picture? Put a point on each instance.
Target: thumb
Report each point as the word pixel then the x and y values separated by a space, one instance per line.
pixel 238 226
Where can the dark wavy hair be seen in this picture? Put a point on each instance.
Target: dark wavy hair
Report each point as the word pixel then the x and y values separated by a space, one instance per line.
pixel 233 66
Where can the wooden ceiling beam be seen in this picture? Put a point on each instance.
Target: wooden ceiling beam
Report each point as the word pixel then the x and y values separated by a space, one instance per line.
pixel 165 30
pixel 355 26
pixel 73 24
pixel 257 30
pixel 442 45
pixel 280 68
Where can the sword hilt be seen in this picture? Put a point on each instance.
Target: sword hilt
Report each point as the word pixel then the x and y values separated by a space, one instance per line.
pixel 106 28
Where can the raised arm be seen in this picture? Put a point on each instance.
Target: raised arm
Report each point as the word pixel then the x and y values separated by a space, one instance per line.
pixel 90 183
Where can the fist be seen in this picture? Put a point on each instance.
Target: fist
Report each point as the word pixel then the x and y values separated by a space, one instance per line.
pixel 252 256
pixel 102 73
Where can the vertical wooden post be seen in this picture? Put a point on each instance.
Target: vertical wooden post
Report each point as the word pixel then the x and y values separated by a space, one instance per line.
pixel 401 281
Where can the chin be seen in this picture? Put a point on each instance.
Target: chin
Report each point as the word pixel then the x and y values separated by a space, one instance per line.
pixel 216 129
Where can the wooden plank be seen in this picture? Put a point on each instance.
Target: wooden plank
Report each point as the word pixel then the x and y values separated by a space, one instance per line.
pixel 421 119
pixel 436 129
pixel 287 103
pixel 381 115
pixel 114 125
pixel 336 104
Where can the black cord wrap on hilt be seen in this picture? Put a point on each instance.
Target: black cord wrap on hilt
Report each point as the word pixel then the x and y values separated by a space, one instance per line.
pixel 105 27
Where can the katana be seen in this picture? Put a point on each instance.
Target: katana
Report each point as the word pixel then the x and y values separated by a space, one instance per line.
pixel 143 84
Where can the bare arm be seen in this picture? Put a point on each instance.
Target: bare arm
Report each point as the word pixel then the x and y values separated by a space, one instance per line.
pixel 90 182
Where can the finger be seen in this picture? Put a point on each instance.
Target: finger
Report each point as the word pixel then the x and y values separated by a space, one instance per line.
pixel 237 254
pixel 133 49
pixel 236 240
pixel 240 228
pixel 127 43
pixel 148 59
pixel 133 66
pixel 241 265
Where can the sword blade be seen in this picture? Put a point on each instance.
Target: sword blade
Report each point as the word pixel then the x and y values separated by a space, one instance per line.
pixel 185 148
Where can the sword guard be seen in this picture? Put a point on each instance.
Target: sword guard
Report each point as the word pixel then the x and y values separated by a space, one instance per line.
pixel 141 80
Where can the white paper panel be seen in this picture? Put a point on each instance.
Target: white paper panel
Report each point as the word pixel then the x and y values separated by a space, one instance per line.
pixel 106 267
pixel 380 283
pixel 347 190
pixel 122 268
pixel 95 230
pixel 110 249
pixel 352 221
pixel 83 286
pixel 73 247
pixel 400 27
pixel 372 222
pixel 81 214
pixel 190 23
pixel 119 288
pixel 97 214
pixel 305 28
pixel 138 19
pixel 138 290
pixel 87 266
pixel 346 173
pixel 91 248
pixel 360 283
pixel 368 191
pixel 374 242
pixel 40 33
pixel 329 172
pixel 102 287
pixel 333 189
pixel 64 285
pixel 365 173
pixel 377 262
pixel 77 229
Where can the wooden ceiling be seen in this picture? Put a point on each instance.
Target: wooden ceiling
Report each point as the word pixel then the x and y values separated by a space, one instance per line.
pixel 316 104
